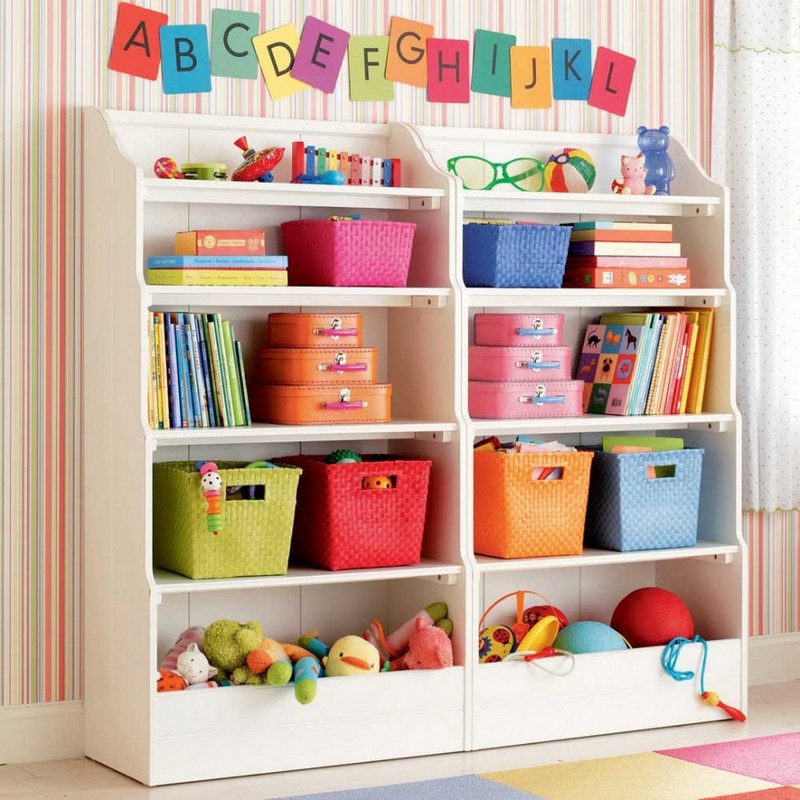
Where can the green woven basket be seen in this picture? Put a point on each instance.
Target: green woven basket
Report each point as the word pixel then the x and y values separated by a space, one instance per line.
pixel 255 535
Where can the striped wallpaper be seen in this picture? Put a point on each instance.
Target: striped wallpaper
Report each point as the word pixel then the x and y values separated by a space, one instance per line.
pixel 59 50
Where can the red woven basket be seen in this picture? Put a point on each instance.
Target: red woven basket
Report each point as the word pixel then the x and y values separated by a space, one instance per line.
pixel 325 252
pixel 340 525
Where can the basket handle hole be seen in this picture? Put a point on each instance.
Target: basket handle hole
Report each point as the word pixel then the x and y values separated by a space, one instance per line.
pixel 656 471
pixel 547 473
pixel 244 493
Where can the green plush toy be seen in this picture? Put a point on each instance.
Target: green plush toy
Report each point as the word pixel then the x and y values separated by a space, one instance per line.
pixel 227 644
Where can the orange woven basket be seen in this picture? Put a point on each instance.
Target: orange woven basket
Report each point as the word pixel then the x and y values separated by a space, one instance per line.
pixel 517 516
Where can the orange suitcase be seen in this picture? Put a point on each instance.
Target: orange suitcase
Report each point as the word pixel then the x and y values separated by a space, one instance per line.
pixel 314 330
pixel 321 405
pixel 317 365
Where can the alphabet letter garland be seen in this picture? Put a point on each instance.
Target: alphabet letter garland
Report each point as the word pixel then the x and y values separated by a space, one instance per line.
pixel 448 69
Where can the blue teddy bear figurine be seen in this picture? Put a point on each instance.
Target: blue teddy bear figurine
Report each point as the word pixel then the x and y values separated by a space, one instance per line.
pixel 653 142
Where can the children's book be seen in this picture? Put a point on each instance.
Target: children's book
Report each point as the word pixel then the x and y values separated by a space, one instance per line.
pixel 625 278
pixel 626 262
pixel 611 235
pixel 614 225
pixel 218 262
pixel 625 248
pixel 589 359
pixel 216 277
pixel 220 242
pixel 697 379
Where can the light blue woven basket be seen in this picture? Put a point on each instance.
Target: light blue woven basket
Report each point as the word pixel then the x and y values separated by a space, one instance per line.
pixel 512 256
pixel 628 511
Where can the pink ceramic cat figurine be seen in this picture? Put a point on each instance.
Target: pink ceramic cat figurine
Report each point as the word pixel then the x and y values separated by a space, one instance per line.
pixel 633 175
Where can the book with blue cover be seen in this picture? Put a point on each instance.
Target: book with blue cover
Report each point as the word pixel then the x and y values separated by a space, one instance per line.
pixel 217 262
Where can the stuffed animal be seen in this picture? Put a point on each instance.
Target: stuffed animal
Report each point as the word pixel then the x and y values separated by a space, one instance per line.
pixel 305 674
pixel 633 177
pixel 228 643
pixel 428 648
pixel 653 144
pixel 169 681
pixel 193 666
pixel 194 634
pixel 395 644
pixel 352 655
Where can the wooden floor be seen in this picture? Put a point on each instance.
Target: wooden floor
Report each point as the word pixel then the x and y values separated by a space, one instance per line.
pixel 773 709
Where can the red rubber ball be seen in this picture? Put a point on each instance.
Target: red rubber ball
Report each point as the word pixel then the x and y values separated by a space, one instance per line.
pixel 651 616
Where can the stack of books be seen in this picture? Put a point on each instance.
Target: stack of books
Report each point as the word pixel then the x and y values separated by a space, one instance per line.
pixel 218 258
pixel 646 362
pixel 196 372
pixel 604 254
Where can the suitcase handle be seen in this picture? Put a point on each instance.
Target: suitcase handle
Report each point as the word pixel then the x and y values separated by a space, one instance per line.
pixel 343 367
pixel 342 406
pixel 537 365
pixel 335 332
pixel 540 401
pixel 536 331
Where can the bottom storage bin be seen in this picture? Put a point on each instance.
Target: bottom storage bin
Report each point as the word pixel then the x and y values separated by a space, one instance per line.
pixel 364 514
pixel 248 535
pixel 644 501
pixel 530 504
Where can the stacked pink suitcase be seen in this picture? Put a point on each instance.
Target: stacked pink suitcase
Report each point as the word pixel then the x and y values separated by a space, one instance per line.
pixel 519 368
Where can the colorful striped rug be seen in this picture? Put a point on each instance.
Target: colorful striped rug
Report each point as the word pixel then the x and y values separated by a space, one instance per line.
pixel 767 768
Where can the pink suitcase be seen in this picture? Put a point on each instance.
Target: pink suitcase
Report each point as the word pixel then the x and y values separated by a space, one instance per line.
pixel 519 330
pixel 506 400
pixel 519 363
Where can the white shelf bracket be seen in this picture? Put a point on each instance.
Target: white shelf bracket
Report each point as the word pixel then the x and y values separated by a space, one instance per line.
pixel 698 210
pixel 434 436
pixel 445 580
pixel 424 203
pixel 715 427
pixel 719 558
pixel 703 302
pixel 430 301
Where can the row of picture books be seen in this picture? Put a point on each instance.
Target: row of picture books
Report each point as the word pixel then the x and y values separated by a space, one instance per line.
pixel 196 372
pixel 646 362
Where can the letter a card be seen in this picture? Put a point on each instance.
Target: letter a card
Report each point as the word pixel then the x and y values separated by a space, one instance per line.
pixel 136 49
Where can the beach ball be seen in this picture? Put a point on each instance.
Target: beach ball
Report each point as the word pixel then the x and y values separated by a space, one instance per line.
pixel 651 616
pixel 571 170
pixel 589 637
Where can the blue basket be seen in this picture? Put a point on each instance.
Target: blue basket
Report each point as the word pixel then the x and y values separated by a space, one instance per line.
pixel 513 256
pixel 629 511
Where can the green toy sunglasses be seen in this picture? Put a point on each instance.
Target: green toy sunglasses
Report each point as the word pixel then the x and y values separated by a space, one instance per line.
pixel 475 172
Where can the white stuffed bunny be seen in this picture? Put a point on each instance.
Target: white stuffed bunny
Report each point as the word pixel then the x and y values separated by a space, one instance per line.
pixel 193 666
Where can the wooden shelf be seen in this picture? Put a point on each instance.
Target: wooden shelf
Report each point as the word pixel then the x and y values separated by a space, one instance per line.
pixel 172 583
pixel 595 203
pixel 155 190
pixel 601 423
pixel 333 296
pixel 581 298
pixel 263 432
pixel 594 557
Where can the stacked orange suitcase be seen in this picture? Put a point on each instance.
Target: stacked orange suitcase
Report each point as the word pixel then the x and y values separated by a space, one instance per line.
pixel 315 370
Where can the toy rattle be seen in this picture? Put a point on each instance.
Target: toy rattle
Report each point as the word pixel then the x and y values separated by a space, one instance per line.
pixel 166 167
pixel 669 659
pixel 211 483
pixel 257 163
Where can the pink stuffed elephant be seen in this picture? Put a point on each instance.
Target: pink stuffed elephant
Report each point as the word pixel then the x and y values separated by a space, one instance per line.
pixel 428 648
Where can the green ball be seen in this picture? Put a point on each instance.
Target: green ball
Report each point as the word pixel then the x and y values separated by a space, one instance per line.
pixel 342 457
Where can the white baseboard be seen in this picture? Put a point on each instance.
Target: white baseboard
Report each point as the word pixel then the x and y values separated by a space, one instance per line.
pixel 41 732
pixel 774 659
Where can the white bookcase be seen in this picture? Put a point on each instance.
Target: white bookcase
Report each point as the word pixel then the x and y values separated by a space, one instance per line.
pixel 134 613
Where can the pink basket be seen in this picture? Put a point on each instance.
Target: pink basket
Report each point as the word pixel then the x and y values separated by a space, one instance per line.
pixel 325 252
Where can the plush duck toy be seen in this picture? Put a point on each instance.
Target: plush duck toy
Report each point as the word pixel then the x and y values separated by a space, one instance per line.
pixel 352 655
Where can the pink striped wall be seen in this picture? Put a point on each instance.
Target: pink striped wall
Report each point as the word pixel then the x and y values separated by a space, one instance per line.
pixel 59 49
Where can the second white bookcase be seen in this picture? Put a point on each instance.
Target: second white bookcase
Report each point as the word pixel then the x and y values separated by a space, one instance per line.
pixel 134 612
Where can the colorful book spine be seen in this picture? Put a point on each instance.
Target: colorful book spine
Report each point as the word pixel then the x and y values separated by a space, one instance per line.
pixel 218 262
pixel 161 346
pixel 200 329
pixel 173 382
pixel 194 397
pixel 199 377
pixel 625 249
pixel 183 375
pixel 217 277
pixel 216 371
pixel 153 413
pixel 248 420
pixel 220 242
pixel 233 382
pixel 223 368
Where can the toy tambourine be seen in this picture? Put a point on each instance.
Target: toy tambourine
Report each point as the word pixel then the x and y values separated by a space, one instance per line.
pixel 497 642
